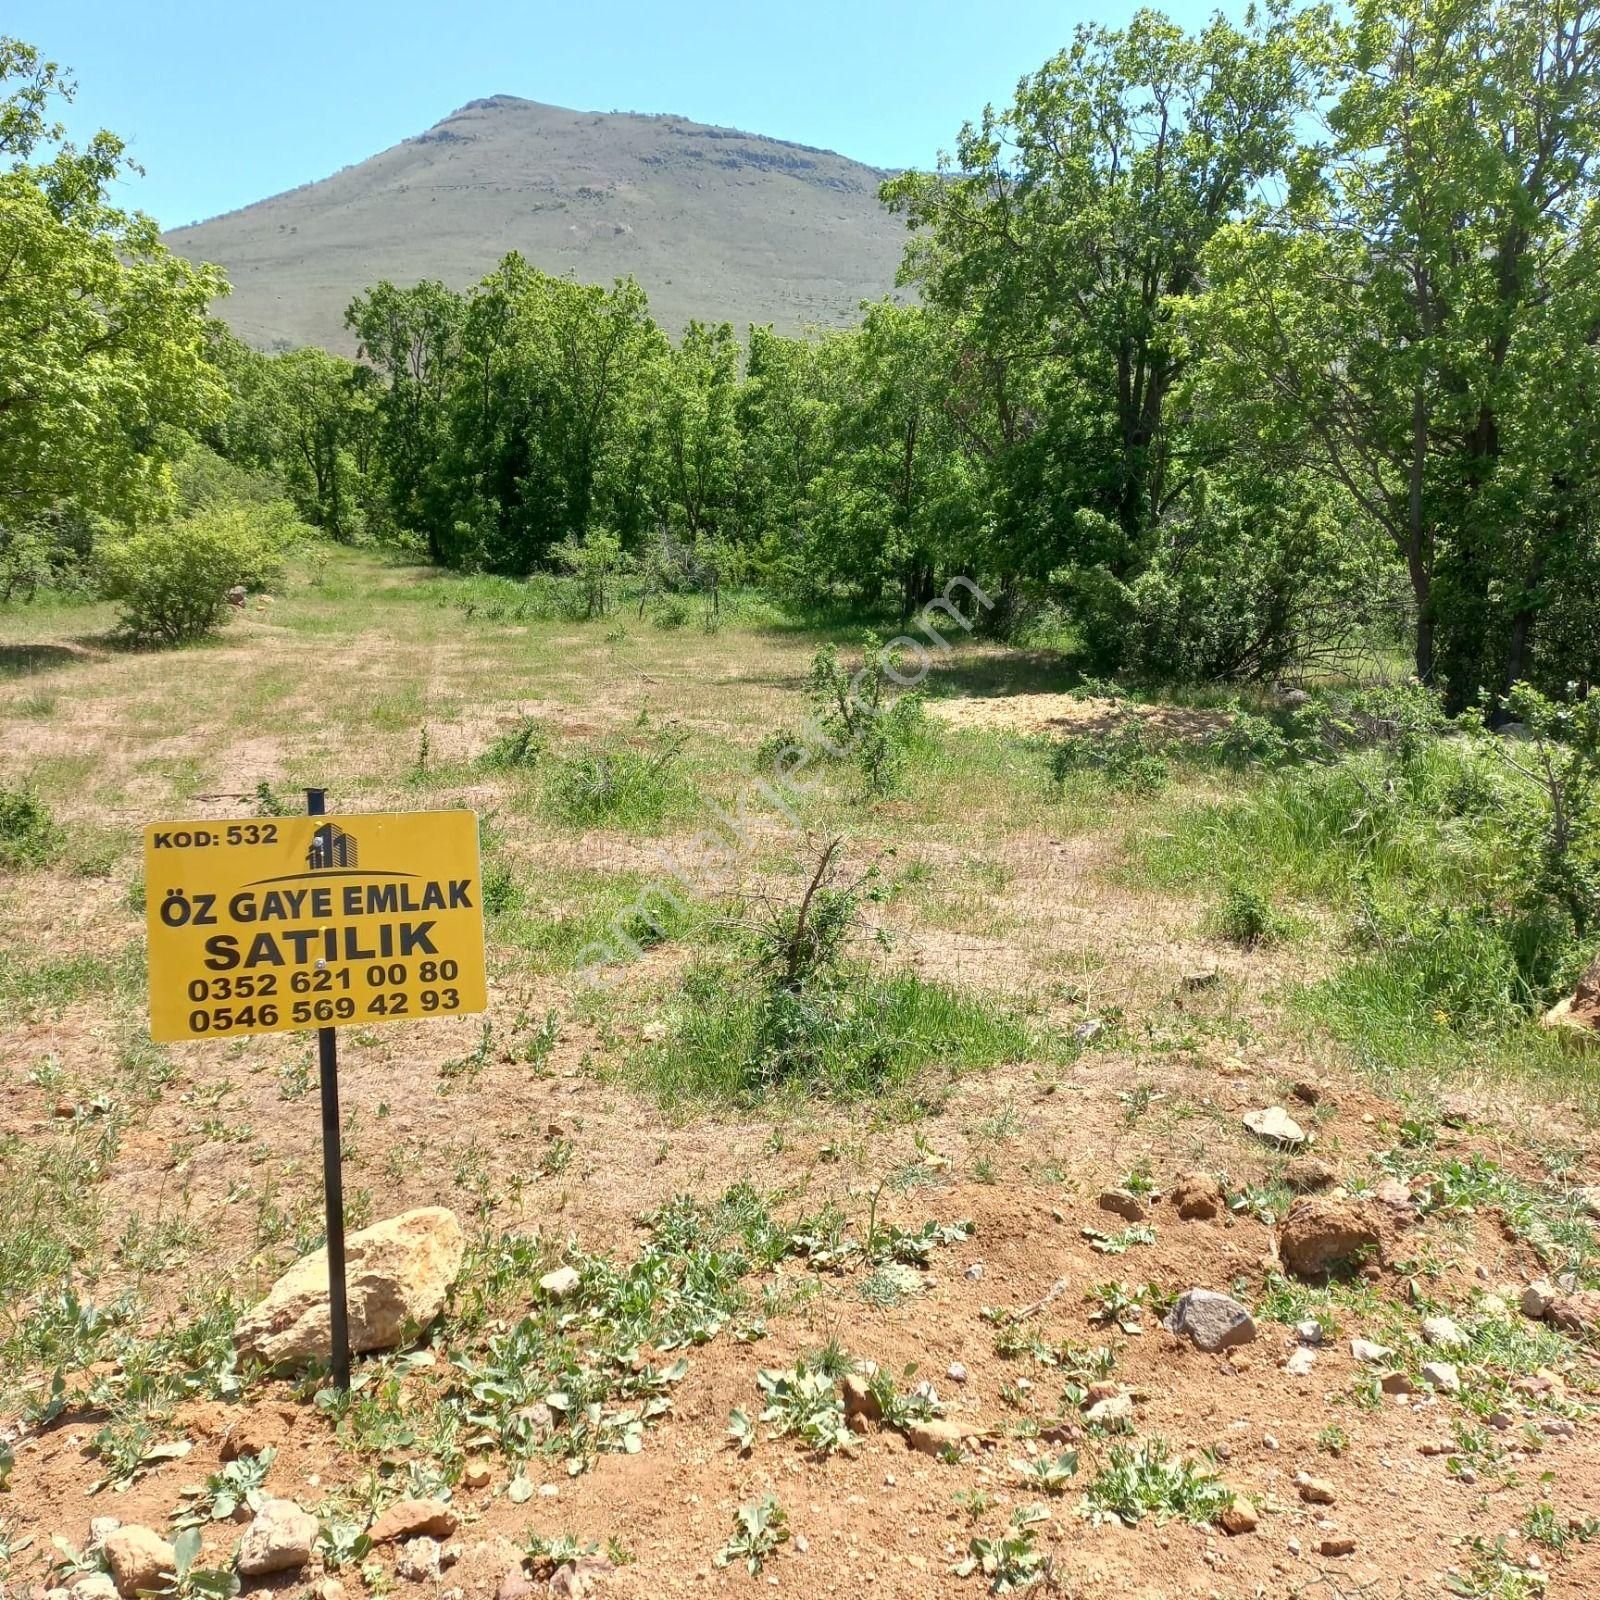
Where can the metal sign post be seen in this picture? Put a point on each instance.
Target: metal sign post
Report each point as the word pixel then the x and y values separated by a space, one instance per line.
pixel 332 1174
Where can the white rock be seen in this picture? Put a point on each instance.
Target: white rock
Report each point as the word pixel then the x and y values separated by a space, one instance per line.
pixel 280 1538
pixel 1300 1363
pixel 1276 1126
pixel 1366 1350
pixel 1443 1376
pixel 1113 1409
pixel 560 1283
pixel 93 1586
pixel 1308 1332
pixel 1443 1333
pixel 418 1561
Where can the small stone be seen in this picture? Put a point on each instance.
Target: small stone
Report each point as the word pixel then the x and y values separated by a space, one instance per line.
pixel 1309 1331
pixel 1125 1204
pixel 1314 1491
pixel 411 1519
pixel 1212 1321
pixel 560 1283
pixel 1588 1198
pixel 1535 1299
pixel 327 1589
pixel 1578 1312
pixel 139 1559
pixel 93 1586
pixel 1300 1363
pixel 1397 1383
pixel 934 1435
pixel 1309 1174
pixel 1276 1126
pixel 1320 1235
pixel 1558 1428
pixel 1307 1091
pixel 956 1373
pixel 1112 1410
pixel 1239 1516
pixel 1394 1195
pixel 1365 1350
pixel 578 1578
pixel 418 1561
pixel 100 1529
pixel 859 1400
pixel 1442 1333
pixel 1197 1197
pixel 515 1585
pixel 1089 1029
pixel 477 1475
pixel 1268 1442
pixel 1341 1544
pixel 1442 1376
pixel 974 1272
pixel 280 1538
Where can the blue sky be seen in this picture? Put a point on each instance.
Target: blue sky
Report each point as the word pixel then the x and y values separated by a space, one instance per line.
pixel 225 104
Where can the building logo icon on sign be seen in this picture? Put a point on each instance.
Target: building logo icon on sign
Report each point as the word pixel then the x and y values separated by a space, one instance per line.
pixel 331 849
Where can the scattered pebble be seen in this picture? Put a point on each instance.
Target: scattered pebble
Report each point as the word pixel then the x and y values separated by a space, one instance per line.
pixel 1442 1376
pixel 1443 1333
pixel 1314 1491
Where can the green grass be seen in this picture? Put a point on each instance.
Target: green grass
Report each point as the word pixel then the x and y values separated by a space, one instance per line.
pixel 31 981
pixel 877 1038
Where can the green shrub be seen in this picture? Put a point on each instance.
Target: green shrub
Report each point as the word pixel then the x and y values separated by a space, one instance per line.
pixel 517 750
pixel 1247 918
pixel 622 786
pixel 29 835
pixel 863 716
pixel 671 612
pixel 172 579
pixel 1127 757
pixel 798 1011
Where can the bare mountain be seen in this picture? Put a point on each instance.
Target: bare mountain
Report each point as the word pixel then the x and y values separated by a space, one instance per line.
pixel 714 224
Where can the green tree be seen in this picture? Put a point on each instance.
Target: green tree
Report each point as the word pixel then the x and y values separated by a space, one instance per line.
pixel 412 338
pixel 1417 320
pixel 102 330
pixel 1057 238
pixel 694 428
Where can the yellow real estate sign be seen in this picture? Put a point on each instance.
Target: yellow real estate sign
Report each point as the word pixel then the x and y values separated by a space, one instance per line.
pixel 312 922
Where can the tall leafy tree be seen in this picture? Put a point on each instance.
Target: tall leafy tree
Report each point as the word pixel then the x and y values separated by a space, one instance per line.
pixel 412 339
pixel 102 330
pixel 1418 319
pixel 1061 231
pixel 694 427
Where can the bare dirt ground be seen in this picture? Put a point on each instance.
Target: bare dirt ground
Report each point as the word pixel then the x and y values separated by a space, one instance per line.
pixel 216 1159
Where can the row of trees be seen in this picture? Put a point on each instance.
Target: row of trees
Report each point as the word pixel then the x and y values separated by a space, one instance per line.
pixel 1236 346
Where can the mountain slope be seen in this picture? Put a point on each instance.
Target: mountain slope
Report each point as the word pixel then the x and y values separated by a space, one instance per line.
pixel 714 224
